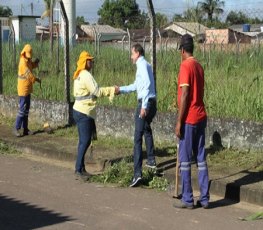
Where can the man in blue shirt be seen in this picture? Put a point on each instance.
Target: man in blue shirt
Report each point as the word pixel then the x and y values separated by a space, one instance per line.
pixel 144 85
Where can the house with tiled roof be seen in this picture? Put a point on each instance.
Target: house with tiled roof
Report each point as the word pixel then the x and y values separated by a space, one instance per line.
pixel 106 32
pixel 195 29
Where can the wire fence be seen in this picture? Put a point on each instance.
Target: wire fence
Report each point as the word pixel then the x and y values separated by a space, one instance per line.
pixel 230 53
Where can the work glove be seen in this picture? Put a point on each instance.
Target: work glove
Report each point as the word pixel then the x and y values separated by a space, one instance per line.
pixel 37 60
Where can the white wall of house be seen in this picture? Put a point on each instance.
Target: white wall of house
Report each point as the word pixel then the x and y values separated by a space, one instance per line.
pixel 15 23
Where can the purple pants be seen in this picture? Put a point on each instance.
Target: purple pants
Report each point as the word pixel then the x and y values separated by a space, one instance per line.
pixel 192 144
pixel 22 116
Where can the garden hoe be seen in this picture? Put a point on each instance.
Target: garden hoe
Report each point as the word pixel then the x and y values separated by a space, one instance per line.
pixel 176 192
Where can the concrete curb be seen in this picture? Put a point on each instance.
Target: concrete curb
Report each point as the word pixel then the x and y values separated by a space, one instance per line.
pixel 248 188
pixel 228 190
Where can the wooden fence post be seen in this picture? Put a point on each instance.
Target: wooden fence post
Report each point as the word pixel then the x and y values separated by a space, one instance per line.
pixel 51 27
pixel 1 64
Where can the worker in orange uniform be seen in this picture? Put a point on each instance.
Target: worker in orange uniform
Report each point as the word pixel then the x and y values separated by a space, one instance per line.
pixel 25 82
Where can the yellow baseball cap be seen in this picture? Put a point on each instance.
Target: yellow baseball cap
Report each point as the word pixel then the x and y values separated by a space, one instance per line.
pixel 27 51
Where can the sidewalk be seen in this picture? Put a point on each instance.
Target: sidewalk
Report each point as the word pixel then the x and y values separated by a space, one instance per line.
pixel 244 186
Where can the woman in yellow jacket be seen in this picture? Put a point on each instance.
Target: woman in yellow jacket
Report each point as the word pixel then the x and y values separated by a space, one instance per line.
pixel 86 92
pixel 25 82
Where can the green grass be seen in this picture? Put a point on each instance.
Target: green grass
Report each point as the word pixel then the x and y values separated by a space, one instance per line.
pixel 228 159
pixel 233 86
pixel 8 149
pixel 121 174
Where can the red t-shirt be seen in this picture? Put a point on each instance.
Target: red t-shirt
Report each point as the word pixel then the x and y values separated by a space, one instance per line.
pixel 192 74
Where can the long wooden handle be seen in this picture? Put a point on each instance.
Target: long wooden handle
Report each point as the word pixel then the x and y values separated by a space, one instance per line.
pixel 176 192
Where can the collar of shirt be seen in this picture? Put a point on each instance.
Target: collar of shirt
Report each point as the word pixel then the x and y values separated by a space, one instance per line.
pixel 141 58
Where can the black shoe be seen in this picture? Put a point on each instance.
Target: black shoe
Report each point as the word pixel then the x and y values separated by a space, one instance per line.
pixel 17 133
pixel 85 173
pixel 81 176
pixel 151 166
pixel 203 205
pixel 181 204
pixel 135 181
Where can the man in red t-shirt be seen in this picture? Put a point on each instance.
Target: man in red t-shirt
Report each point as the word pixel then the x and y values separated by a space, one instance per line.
pixel 190 126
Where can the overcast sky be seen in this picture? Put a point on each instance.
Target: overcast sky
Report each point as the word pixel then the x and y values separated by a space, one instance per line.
pixel 89 8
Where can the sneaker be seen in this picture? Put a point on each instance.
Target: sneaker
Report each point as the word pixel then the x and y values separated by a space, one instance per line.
pixel 17 133
pixel 81 176
pixel 28 132
pixel 135 181
pixel 151 166
pixel 203 205
pixel 182 205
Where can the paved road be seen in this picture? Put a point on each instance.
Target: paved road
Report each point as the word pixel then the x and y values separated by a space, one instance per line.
pixel 35 194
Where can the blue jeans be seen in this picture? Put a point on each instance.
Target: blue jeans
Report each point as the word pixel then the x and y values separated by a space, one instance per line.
pixel 86 126
pixel 192 143
pixel 143 128
pixel 22 116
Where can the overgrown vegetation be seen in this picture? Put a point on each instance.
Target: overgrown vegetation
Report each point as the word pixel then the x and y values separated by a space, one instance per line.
pixel 233 87
pixel 7 149
pixel 121 174
pixel 228 159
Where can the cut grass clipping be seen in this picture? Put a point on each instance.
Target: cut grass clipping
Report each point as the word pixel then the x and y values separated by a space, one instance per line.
pixel 121 173
pixel 254 216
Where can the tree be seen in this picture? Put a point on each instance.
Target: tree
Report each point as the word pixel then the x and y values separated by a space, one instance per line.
pixel 193 14
pixel 161 20
pixel 5 11
pixel 211 7
pixel 121 13
pixel 46 13
pixel 236 18
pixel 241 18
pixel 81 21
pixel 178 17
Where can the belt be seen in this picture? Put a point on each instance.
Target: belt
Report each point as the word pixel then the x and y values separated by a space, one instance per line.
pixel 152 99
pixel 80 98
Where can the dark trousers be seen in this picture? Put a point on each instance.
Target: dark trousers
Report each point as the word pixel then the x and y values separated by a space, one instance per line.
pixel 192 144
pixel 143 128
pixel 86 126
pixel 22 116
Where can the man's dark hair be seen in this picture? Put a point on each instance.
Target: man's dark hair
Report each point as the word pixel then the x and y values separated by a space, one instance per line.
pixel 138 48
pixel 187 43
pixel 189 49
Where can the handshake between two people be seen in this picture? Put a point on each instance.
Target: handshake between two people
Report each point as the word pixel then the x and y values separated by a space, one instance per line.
pixel 117 90
pixel 143 112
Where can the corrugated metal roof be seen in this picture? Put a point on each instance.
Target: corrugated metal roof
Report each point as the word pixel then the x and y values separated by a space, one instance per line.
pixel 194 28
pixel 102 29
pixel 252 34
pixel 253 27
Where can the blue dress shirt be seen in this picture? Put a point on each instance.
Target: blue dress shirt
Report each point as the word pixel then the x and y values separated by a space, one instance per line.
pixel 143 84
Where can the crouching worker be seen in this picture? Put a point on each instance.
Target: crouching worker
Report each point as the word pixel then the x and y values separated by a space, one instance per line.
pixel 86 92
pixel 25 82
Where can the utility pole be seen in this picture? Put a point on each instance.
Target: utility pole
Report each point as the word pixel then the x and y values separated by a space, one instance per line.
pixel 153 37
pixel 51 27
pixel 1 64
pixel 66 53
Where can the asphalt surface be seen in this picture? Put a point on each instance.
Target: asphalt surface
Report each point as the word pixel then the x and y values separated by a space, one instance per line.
pixel 36 193
pixel 241 185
